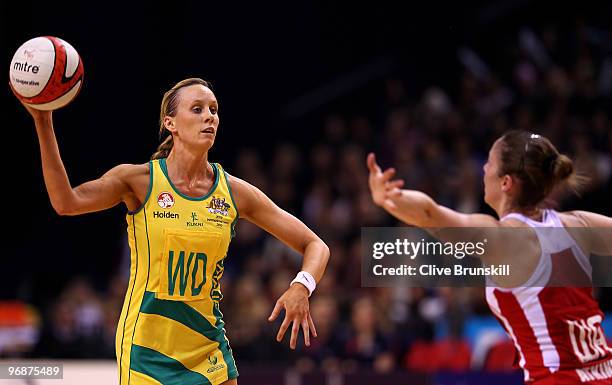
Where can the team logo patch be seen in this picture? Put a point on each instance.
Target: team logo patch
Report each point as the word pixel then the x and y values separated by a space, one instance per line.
pixel 165 200
pixel 218 206
pixel 212 360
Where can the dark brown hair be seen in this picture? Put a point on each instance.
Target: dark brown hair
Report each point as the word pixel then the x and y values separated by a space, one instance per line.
pixel 169 104
pixel 539 167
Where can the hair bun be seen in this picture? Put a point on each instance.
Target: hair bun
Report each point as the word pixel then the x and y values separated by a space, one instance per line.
pixel 563 168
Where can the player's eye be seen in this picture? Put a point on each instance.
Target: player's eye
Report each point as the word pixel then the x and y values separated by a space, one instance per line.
pixel 197 109
pixel 213 110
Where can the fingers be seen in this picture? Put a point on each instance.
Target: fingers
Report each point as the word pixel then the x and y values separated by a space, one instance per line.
pixel 283 328
pixel 295 329
pixel 305 329
pixel 372 166
pixel 394 184
pixel 275 312
pixel 297 315
pixel 388 174
pixel 394 193
pixel 312 325
pixel 307 326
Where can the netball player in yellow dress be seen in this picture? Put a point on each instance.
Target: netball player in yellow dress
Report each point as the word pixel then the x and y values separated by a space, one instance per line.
pixel 182 210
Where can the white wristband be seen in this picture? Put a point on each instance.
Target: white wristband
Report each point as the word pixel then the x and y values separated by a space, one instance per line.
pixel 306 279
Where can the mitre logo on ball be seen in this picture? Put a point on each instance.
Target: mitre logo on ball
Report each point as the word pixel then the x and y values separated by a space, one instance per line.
pixel 46 73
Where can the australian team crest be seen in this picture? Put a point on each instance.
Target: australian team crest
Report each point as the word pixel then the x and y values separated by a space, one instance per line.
pixel 218 206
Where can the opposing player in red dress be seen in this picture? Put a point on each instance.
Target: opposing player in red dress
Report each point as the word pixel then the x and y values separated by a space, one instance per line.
pixel 555 324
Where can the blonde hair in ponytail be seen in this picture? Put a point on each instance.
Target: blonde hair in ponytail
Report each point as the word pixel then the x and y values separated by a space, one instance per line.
pixel 169 105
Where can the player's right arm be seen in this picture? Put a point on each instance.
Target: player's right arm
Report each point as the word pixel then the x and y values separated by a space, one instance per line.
pixel 414 207
pixel 105 192
pixel 419 209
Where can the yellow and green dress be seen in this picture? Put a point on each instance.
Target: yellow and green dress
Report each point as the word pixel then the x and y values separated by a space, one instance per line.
pixel 171 329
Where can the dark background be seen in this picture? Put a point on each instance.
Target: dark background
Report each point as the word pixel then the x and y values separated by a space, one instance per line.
pixel 270 64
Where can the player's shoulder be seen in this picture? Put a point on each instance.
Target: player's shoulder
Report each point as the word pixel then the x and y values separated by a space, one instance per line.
pixel 247 196
pixel 234 180
pixel 130 173
pixel 126 169
pixel 241 187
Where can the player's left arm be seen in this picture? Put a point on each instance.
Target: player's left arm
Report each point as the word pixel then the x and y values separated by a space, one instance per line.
pixel 257 208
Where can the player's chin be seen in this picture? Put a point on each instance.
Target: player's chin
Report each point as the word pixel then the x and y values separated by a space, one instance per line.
pixel 207 142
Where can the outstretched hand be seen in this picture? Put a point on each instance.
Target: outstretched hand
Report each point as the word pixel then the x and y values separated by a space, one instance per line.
pixel 382 187
pixel 297 313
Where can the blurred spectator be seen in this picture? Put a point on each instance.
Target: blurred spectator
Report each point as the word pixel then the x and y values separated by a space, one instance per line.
pixel 79 326
pixel 363 342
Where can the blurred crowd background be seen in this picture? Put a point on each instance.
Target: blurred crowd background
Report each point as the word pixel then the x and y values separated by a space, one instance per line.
pixel 552 79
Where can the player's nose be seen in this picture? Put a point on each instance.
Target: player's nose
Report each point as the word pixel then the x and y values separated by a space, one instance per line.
pixel 208 116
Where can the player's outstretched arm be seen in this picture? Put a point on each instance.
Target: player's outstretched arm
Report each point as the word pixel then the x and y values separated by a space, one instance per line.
pixel 414 207
pixel 256 207
pixel 96 195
